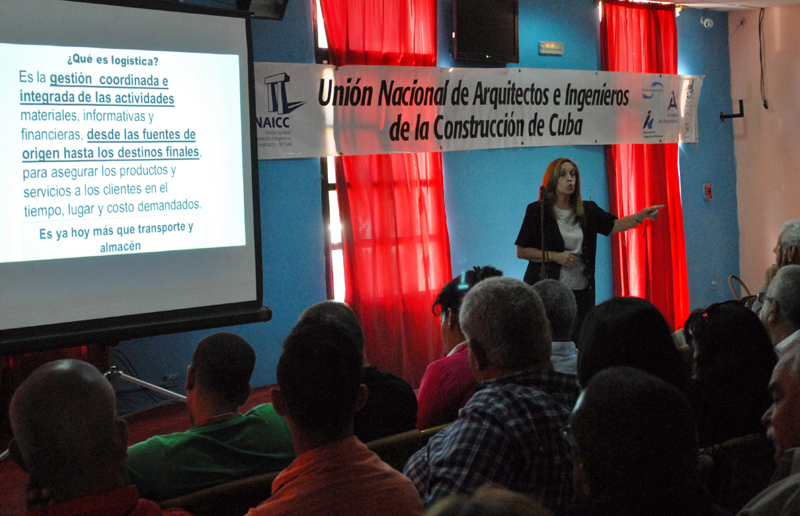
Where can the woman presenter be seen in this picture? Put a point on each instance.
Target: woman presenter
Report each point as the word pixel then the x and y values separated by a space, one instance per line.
pixel 570 232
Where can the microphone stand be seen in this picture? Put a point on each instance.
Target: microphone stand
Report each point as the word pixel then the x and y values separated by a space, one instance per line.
pixel 542 196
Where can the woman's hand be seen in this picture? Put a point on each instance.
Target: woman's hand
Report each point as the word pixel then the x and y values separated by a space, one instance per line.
pixel 567 260
pixel 651 212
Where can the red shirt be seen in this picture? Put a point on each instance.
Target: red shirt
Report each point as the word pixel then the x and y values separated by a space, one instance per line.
pixel 121 502
pixel 447 385
pixel 341 479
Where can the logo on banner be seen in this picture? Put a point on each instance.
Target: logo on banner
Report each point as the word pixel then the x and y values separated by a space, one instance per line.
pixel 277 100
pixel 688 128
pixel 648 122
pixel 654 88
pixel 690 91
pixel 672 103
pixel 276 128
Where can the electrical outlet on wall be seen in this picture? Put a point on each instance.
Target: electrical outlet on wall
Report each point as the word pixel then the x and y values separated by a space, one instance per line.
pixel 172 380
pixel 707 190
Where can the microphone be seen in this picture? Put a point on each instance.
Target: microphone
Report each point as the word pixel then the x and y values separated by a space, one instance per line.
pixel 542 191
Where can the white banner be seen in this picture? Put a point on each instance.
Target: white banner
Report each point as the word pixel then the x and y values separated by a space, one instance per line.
pixel 306 110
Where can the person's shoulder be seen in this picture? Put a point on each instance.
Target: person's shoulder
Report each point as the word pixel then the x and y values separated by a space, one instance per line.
pixel 591 206
pixel 157 444
pixel 450 366
pixel 535 205
pixel 779 499
pixel 530 387
pixel 263 411
pixel 374 375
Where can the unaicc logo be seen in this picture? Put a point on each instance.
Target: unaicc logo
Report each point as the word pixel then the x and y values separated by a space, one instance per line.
pixel 277 102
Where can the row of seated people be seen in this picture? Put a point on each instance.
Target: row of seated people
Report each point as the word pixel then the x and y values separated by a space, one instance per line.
pixel 622 450
pixel 722 359
pixel 223 445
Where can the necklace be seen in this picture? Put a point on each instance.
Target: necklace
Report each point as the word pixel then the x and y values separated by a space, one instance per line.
pixel 563 215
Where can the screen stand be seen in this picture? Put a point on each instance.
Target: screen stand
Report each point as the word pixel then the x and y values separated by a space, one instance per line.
pixel 115 373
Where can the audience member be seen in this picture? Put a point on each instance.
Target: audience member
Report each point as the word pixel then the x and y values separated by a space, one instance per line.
pixel 67 436
pixel 488 501
pixel 391 405
pixel 635 448
pixel 319 390
pixel 562 311
pixel 780 312
pixel 222 444
pixel 786 253
pixel 629 331
pixel 448 383
pixel 509 433
pixel 782 497
pixel 733 359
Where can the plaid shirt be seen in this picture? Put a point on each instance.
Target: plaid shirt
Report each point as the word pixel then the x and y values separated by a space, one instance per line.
pixel 508 434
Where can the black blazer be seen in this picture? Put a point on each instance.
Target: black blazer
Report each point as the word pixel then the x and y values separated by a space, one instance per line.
pixel 597 221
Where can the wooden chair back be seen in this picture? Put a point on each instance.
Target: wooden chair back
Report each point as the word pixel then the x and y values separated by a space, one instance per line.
pixel 233 498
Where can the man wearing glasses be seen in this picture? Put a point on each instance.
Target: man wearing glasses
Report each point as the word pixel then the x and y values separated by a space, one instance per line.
pixel 780 311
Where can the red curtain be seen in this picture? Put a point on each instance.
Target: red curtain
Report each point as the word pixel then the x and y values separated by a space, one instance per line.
pixel 650 260
pixel 396 247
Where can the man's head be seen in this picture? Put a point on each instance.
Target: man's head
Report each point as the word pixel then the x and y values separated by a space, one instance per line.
pixel 560 307
pixel 506 327
pixel 632 433
pixel 66 431
pixel 319 375
pixel 780 312
pixel 786 250
pixel 335 311
pixel 221 368
pixel 783 416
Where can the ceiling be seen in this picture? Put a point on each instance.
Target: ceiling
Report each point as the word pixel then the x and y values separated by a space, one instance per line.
pixel 735 5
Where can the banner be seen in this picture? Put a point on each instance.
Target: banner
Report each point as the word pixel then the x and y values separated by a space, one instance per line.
pixel 307 110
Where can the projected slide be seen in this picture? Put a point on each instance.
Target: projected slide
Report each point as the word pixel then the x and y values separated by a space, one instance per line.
pixel 118 151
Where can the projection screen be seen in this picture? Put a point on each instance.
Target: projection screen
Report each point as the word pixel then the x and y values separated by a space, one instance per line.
pixel 128 182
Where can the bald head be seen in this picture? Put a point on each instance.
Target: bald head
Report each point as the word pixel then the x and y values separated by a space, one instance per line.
pixel 66 431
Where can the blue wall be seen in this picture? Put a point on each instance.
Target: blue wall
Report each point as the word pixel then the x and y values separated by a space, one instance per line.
pixel 711 226
pixel 485 191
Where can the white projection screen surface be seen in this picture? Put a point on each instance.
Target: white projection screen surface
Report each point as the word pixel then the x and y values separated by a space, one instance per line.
pixel 128 182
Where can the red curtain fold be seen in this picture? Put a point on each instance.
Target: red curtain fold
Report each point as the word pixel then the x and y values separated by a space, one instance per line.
pixel 396 246
pixel 381 32
pixel 649 261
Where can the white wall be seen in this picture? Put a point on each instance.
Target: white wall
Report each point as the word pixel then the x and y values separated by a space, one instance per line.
pixel 767 141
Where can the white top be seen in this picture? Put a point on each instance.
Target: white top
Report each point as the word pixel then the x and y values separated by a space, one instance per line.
pixel 784 345
pixel 572 234
pixel 455 349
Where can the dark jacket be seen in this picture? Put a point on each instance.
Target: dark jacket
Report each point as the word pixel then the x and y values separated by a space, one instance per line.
pixel 597 221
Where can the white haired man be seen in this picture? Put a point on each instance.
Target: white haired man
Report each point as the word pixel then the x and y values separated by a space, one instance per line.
pixel 787 252
pixel 509 433
pixel 782 497
pixel 780 312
